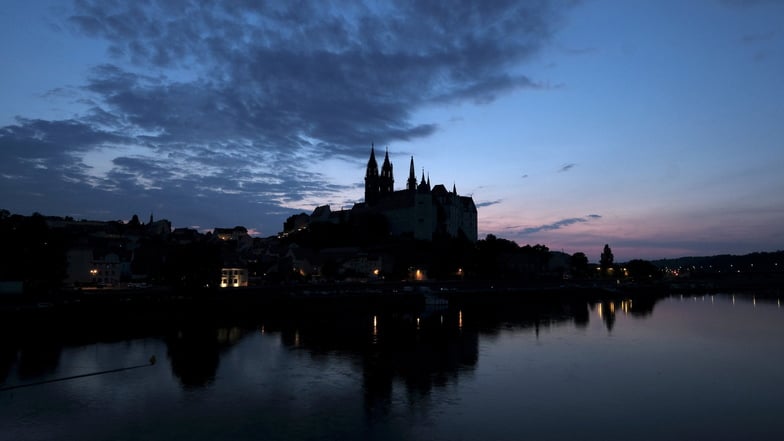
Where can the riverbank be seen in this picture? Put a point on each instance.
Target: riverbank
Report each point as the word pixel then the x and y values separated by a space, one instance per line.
pixel 153 304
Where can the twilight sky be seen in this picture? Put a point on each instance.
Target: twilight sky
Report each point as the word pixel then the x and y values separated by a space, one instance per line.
pixel 654 126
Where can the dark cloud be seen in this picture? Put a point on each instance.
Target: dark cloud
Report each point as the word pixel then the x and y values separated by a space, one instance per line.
pixel 237 100
pixel 342 75
pixel 141 187
pixel 558 224
pixel 488 203
pixel 566 167
pixel 37 152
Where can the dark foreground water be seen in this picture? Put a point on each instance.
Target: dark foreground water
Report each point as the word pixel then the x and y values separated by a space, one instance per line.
pixel 681 368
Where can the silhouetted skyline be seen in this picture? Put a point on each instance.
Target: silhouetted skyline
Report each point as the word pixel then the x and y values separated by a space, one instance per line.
pixel 653 127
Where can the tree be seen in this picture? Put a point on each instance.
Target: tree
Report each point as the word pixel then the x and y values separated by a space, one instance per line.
pixel 32 252
pixel 193 265
pixel 579 263
pixel 606 259
pixel 642 270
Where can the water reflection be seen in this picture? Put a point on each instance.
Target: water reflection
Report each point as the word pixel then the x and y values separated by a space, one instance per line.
pixel 638 308
pixel 38 358
pixel 32 357
pixel 7 360
pixel 417 350
pixel 467 371
pixel 194 355
pixel 421 350
pixel 195 348
pixel 753 299
pixel 430 349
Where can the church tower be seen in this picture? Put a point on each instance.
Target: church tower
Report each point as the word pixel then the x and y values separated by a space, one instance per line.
pixel 371 179
pixel 424 185
pixel 412 183
pixel 386 180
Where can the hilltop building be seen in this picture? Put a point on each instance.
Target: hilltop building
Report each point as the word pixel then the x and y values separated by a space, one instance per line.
pixel 419 210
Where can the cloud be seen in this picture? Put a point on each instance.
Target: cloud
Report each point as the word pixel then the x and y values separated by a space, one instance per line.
pixel 566 167
pixel 488 203
pixel 341 77
pixel 242 100
pixel 558 224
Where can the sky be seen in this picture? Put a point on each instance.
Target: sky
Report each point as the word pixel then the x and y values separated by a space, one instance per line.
pixel 656 127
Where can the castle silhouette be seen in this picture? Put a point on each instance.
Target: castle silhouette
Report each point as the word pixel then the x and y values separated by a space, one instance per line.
pixel 418 210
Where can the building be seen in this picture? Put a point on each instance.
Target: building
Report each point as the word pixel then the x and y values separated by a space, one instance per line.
pixel 234 277
pixel 237 233
pixel 418 210
pixel 85 267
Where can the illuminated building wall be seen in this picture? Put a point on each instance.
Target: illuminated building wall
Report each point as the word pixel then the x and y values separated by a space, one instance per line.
pixel 234 277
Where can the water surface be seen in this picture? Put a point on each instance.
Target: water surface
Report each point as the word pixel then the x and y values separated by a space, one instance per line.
pixel 680 368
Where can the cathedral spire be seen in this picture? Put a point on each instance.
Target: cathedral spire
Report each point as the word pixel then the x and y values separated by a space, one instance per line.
pixel 412 184
pixel 372 156
pixel 424 185
pixel 386 180
pixel 371 178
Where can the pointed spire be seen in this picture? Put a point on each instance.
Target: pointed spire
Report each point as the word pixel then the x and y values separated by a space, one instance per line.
pixel 454 188
pixel 412 184
pixel 372 165
pixel 371 177
pixel 424 185
pixel 387 179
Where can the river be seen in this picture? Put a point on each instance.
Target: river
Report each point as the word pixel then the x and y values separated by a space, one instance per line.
pixel 705 367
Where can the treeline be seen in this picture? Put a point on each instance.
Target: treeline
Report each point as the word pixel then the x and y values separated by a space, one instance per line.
pixel 35 250
pixel 759 262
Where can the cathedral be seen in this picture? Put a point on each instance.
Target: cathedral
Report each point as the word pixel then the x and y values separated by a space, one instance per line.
pixel 417 210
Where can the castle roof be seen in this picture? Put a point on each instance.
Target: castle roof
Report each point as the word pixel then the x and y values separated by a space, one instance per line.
pixel 440 190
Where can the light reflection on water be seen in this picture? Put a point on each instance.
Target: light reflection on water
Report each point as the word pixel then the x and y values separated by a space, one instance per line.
pixel 705 367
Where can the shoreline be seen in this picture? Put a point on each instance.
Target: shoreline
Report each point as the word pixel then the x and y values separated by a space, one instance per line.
pixel 370 295
pixel 127 314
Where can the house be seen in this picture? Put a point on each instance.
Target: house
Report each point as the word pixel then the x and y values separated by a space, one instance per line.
pixel 234 277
